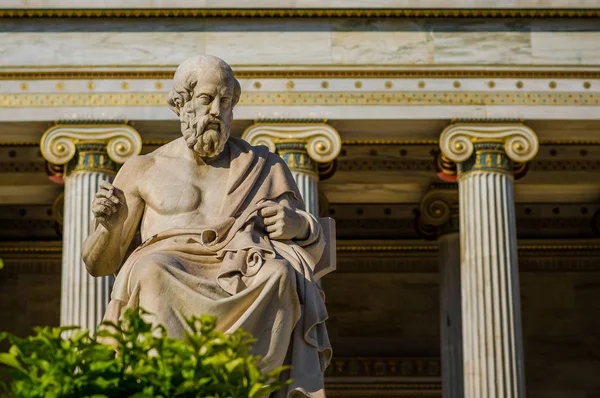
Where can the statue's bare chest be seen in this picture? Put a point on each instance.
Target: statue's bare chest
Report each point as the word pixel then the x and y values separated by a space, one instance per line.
pixel 176 187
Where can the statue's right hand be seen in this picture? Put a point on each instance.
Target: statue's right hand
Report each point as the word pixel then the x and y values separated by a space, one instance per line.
pixel 109 206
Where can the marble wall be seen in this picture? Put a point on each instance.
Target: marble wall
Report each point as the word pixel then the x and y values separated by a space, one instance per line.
pixel 300 42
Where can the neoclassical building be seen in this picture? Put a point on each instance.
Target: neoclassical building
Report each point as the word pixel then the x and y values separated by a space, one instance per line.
pixel 455 143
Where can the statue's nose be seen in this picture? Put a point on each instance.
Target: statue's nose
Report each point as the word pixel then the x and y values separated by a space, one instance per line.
pixel 215 107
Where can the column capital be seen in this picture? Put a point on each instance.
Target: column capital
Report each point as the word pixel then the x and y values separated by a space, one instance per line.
pixel 100 146
pixel 488 146
pixel 322 142
pixel 519 141
pixel 438 213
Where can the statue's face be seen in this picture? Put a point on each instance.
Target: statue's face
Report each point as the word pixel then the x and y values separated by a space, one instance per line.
pixel 206 117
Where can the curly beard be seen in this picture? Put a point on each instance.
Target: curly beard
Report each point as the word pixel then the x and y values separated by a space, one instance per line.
pixel 206 135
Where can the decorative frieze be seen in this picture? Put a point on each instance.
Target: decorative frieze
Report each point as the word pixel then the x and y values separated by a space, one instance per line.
pixel 251 13
pixel 383 367
pixel 312 98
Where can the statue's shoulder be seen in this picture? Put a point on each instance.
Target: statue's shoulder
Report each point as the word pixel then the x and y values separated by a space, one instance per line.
pixel 169 149
pixel 260 151
pixel 240 145
pixel 141 163
pixel 135 166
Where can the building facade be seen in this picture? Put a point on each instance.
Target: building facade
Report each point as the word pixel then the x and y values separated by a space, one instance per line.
pixel 456 145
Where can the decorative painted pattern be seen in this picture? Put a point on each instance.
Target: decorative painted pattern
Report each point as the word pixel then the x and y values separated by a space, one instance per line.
pixel 296 157
pixel 487 156
pixel 384 367
pixel 91 158
pixel 299 13
pixel 166 72
pixel 465 98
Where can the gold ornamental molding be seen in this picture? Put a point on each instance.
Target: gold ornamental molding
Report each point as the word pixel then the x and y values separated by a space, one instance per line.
pixel 436 142
pixel 368 390
pixel 31 249
pixel 344 143
pixel 389 142
pixel 524 248
pixel 357 367
pixel 298 13
pixel 388 248
pixel 315 73
pixel 340 98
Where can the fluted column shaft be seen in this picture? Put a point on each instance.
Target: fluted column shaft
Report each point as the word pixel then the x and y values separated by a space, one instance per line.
pixel 89 155
pixel 491 318
pixel 490 288
pixel 302 146
pixel 83 297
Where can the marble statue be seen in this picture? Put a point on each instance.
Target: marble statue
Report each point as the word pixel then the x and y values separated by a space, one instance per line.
pixel 221 230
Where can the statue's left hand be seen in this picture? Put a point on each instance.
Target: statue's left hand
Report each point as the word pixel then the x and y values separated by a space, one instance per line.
pixel 283 223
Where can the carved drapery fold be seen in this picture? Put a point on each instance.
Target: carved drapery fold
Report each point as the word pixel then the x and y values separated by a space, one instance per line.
pixel 303 146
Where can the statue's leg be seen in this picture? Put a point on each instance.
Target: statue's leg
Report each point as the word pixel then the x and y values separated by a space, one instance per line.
pixel 172 288
pixel 274 313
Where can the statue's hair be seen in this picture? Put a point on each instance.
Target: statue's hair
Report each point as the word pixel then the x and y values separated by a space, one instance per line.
pixel 186 78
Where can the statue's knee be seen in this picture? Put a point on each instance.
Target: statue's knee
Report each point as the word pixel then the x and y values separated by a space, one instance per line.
pixel 282 269
pixel 151 269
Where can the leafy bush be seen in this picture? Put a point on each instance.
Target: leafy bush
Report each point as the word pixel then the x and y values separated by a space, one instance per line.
pixel 143 363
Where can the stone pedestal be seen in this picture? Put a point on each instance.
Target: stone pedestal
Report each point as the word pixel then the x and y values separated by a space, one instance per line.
pixel 491 312
pixel 439 216
pixel 90 154
pixel 301 146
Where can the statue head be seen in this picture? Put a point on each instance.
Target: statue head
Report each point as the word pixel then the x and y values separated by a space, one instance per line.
pixel 203 96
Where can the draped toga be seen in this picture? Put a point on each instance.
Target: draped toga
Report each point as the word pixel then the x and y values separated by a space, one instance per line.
pixel 234 271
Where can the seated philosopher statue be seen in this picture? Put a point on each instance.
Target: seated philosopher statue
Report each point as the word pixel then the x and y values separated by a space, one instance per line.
pixel 223 232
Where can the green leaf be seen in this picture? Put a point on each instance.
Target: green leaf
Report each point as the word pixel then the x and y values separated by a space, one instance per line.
pixel 10 360
pixel 141 395
pixel 232 365
pixel 100 366
pixel 255 390
pixel 143 363
pixel 80 334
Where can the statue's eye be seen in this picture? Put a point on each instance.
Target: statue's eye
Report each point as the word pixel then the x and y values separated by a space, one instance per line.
pixel 225 100
pixel 205 99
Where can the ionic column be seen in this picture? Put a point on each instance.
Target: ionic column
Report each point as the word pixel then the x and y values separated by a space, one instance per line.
pixel 302 147
pixel 439 218
pixel 485 155
pixel 89 154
